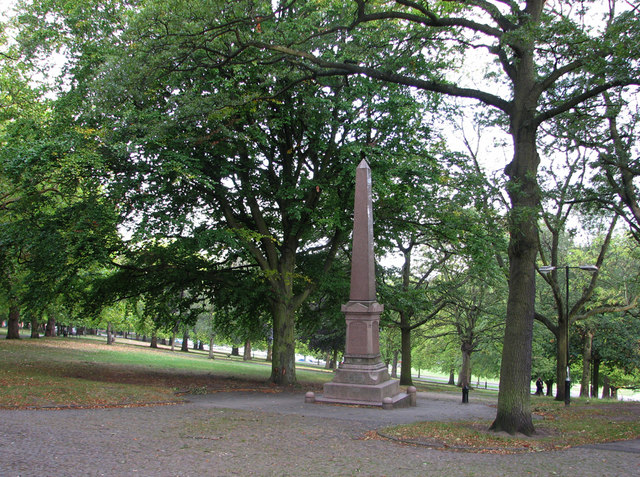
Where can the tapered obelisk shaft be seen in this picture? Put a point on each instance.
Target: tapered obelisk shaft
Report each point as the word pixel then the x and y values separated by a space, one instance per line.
pixel 363 378
pixel 363 279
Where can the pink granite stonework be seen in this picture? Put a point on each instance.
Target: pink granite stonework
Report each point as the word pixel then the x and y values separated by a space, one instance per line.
pixel 363 378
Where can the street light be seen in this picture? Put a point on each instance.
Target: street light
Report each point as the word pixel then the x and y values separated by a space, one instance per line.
pixel 547 269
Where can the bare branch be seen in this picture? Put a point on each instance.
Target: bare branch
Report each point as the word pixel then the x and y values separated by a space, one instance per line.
pixel 580 98
pixel 388 76
pixel 546 322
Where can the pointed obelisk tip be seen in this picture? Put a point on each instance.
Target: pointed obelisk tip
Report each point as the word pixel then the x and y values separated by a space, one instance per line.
pixel 363 284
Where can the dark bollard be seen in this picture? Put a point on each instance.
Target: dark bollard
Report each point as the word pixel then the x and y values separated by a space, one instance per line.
pixel 465 394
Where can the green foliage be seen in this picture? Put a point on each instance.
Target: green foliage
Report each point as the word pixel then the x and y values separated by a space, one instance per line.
pixel 544 354
pixel 440 354
pixel 321 323
pixel 54 222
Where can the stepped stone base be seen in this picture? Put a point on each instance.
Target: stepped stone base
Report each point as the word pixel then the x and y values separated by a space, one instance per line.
pixel 364 385
pixel 364 396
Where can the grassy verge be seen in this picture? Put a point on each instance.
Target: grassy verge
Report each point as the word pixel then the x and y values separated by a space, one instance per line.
pixel 557 427
pixel 54 372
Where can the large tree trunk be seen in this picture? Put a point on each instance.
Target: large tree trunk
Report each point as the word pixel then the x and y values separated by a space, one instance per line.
pixel 246 356
pixel 283 364
pixel 405 366
pixel 595 380
pixel 561 356
pixel 514 413
pixel 13 325
pixel 35 332
pixel 586 364
pixel 514 396
pixel 211 356
pixel 327 360
pixel 51 326
pixel 405 324
pixel 394 364
pixel 185 341
pixel 464 379
pixel 549 385
pixel 154 339
pixel 110 338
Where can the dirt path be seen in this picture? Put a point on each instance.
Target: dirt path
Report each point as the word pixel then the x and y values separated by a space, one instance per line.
pixel 228 434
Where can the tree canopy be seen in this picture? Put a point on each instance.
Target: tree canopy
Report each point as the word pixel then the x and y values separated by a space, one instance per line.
pixel 219 139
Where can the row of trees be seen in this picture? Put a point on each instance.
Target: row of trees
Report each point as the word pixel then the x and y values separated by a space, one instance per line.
pixel 198 154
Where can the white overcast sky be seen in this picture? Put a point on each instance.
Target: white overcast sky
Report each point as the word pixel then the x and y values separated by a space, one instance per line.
pixel 5 5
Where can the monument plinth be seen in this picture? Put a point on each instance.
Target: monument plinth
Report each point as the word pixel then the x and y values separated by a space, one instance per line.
pixel 363 378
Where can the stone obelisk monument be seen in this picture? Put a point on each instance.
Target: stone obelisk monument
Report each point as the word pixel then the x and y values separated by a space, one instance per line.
pixel 363 378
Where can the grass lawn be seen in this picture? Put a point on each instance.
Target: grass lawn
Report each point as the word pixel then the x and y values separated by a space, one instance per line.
pixel 85 372
pixel 54 372
pixel 585 421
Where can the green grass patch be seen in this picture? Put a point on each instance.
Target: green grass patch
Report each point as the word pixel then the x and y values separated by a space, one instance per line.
pixel 54 372
pixel 558 427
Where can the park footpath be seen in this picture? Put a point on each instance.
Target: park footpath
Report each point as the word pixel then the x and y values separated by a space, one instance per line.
pixel 270 434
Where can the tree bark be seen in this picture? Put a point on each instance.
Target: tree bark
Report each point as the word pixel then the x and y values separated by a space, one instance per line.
pixel 405 324
pixel 246 356
pixel 211 356
pixel 452 377
pixel 110 338
pixel 13 324
pixel 595 381
pixel 514 397
pixel 283 366
pixel 549 385
pixel 561 355
pixel 586 364
pixel 405 366
pixel 154 340
pixel 51 326
pixel 185 341
pixel 465 371
pixel 394 364
pixel 35 332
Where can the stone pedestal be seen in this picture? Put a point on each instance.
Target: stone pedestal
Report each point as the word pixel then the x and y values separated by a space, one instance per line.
pixel 363 378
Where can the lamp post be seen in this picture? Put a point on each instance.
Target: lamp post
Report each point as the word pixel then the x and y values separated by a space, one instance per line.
pixel 549 268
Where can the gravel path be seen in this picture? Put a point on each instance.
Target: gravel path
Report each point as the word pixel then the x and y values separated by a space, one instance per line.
pixel 229 434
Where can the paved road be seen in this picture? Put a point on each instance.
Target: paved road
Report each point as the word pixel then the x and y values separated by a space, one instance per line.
pixel 228 434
